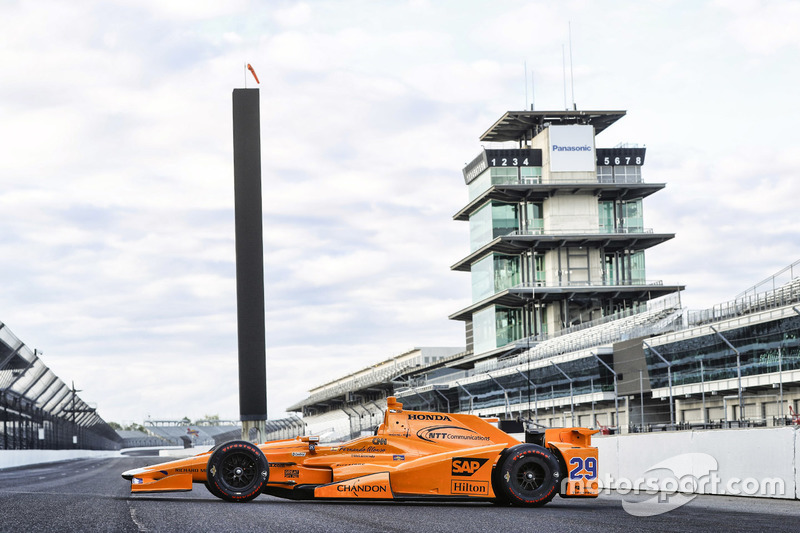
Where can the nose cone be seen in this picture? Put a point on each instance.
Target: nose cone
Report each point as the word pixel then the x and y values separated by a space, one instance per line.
pixel 131 473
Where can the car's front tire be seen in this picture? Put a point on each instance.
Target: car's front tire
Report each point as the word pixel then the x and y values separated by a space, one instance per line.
pixel 237 471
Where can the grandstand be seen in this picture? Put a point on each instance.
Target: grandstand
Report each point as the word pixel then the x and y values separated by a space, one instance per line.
pixel 39 410
pixel 355 403
pixel 378 377
pixel 606 374
pixel 139 439
pixel 181 433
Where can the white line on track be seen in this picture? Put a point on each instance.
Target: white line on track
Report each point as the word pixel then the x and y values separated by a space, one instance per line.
pixel 136 521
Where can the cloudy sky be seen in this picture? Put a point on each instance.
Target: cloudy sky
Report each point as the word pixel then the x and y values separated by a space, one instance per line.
pixel 116 177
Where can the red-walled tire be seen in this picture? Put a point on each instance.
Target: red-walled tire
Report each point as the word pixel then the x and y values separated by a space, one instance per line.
pixel 528 475
pixel 237 471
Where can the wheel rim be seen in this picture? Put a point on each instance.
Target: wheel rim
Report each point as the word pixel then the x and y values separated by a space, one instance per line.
pixel 530 476
pixel 238 471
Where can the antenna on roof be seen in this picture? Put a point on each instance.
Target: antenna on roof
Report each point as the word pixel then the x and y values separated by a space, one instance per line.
pixel 525 67
pixel 571 77
pixel 533 93
pixel 564 70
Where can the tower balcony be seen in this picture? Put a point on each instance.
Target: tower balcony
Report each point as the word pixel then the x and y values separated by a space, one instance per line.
pixel 542 240
pixel 541 292
pixel 538 189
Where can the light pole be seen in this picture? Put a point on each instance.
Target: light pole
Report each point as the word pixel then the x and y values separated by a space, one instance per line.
pixel 616 396
pixel 571 397
pixel 738 370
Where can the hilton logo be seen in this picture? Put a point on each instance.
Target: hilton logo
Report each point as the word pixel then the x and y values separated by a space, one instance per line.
pixel 477 488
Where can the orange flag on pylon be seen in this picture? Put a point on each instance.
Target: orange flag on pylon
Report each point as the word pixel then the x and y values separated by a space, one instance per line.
pixel 253 72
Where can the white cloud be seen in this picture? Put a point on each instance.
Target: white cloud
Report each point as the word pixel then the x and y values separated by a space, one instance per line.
pixel 763 27
pixel 294 15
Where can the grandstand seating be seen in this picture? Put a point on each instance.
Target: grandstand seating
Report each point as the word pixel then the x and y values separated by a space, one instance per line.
pixel 649 322
pixel 139 439
pixel 749 302
pixel 179 433
pixel 332 426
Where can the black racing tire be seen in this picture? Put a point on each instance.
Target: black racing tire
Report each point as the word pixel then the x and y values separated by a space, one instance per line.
pixel 237 471
pixel 213 490
pixel 527 476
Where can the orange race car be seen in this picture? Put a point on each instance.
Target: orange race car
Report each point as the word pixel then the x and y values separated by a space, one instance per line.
pixel 413 455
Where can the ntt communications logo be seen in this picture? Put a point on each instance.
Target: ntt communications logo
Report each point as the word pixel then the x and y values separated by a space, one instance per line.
pixel 583 148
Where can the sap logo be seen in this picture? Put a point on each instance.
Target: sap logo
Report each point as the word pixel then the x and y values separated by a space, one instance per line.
pixel 379 442
pixel 429 417
pixel 466 466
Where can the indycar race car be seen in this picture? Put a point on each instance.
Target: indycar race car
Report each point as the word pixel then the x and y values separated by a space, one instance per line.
pixel 413 455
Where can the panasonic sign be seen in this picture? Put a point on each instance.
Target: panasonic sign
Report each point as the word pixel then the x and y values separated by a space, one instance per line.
pixel 572 149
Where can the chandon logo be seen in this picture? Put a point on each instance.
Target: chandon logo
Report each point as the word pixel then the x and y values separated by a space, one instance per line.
pixel 360 488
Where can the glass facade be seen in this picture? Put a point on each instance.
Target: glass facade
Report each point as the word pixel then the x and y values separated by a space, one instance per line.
pixel 631 216
pixel 503 176
pixel 619 174
pixel 534 216
pixel 761 346
pixel 624 268
pixel 605 174
pixel 494 273
pixel 627 174
pixel 496 326
pixel 607 220
pixel 508 324
pixel 538 269
pixel 637 267
pixel 588 375
pixel 492 220
pixel 483 331
pixel 621 217
pixel 530 174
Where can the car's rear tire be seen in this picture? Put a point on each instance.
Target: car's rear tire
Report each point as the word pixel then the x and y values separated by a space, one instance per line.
pixel 237 471
pixel 527 475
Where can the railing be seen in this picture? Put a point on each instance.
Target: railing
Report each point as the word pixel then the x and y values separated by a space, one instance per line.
pixel 590 231
pixel 780 297
pixel 782 278
pixel 601 283
pixel 539 180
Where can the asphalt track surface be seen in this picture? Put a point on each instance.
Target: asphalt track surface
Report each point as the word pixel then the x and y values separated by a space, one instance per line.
pixel 90 495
